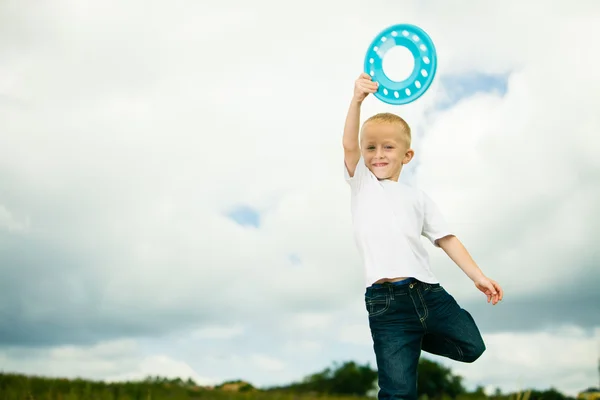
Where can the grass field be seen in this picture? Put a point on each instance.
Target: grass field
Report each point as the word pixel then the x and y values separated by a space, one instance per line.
pixel 22 387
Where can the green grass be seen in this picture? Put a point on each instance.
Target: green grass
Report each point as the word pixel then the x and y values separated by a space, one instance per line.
pixel 22 387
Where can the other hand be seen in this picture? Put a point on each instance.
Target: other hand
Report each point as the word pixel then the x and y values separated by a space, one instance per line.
pixel 490 288
pixel 363 86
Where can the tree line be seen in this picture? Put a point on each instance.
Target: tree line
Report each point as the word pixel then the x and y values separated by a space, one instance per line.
pixel 341 381
pixel 434 381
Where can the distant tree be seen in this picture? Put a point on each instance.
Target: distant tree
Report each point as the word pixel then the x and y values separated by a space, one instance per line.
pixel 480 391
pixel 435 380
pixel 550 394
pixel 353 379
pixel 348 378
pixel 246 387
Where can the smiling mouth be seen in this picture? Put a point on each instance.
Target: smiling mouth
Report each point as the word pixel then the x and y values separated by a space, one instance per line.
pixel 380 164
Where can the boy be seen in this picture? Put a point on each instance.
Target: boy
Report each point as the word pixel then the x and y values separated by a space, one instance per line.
pixel 408 310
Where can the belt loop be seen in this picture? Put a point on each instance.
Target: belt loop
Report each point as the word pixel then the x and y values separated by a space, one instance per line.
pixel 391 287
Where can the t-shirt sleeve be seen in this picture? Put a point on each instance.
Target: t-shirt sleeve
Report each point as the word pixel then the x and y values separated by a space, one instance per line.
pixel 435 226
pixel 360 174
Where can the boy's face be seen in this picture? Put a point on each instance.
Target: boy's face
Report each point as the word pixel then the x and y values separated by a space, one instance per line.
pixel 384 149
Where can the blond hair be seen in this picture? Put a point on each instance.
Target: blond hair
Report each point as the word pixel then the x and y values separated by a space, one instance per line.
pixel 390 118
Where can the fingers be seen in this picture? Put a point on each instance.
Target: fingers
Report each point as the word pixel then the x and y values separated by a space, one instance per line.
pixel 365 84
pixel 492 290
pixel 498 290
pixel 368 87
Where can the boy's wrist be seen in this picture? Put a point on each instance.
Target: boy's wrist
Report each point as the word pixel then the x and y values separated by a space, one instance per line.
pixel 357 102
pixel 477 276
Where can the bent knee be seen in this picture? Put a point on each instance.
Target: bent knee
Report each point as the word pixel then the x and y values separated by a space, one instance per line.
pixel 475 351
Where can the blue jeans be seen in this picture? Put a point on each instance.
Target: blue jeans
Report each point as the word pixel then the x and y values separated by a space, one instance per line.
pixel 411 316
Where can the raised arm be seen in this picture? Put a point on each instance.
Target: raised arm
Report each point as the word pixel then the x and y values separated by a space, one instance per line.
pixel 362 87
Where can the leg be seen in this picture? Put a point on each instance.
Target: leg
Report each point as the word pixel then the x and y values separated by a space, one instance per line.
pixel 397 354
pixel 397 333
pixel 452 332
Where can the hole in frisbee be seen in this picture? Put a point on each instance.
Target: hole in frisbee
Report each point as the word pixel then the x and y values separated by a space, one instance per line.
pixel 398 63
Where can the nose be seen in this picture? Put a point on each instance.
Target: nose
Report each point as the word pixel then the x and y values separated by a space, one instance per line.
pixel 379 153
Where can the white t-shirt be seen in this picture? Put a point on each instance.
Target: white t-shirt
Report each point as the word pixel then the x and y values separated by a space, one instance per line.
pixel 389 219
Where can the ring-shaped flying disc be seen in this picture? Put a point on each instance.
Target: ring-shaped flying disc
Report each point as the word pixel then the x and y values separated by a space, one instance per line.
pixel 425 60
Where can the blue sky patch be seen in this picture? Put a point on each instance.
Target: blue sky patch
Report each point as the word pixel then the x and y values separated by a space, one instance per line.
pixel 461 86
pixel 294 259
pixel 245 216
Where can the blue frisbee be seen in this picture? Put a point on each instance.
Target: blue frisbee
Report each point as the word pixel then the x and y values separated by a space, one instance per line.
pixel 425 63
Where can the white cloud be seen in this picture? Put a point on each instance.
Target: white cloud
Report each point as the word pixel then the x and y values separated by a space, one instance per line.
pixel 356 334
pixel 163 366
pixel 11 223
pixel 302 346
pixel 309 321
pixel 111 361
pixel 267 363
pixel 218 332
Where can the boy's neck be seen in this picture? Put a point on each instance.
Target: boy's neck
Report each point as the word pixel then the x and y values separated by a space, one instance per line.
pixel 393 178
pixel 390 179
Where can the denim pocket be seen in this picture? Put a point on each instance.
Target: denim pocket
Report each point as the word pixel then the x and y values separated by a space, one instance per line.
pixel 436 287
pixel 377 305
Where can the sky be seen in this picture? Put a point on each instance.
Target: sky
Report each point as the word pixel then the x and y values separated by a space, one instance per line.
pixel 172 199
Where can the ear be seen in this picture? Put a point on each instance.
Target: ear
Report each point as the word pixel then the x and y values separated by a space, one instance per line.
pixel 410 153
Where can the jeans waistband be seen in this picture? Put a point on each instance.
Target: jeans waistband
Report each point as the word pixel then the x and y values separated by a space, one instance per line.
pixel 397 283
